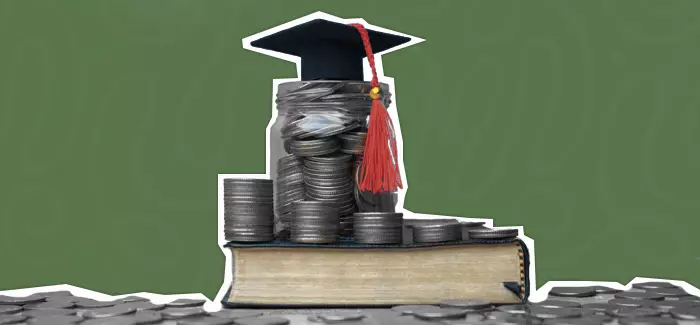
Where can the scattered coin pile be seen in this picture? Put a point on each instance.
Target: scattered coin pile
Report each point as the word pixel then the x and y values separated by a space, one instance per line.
pixel 289 188
pixel 648 303
pixel 315 222
pixel 378 227
pixel 248 210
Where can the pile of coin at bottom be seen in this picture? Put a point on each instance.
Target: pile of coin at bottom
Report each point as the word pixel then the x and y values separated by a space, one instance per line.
pixel 315 222
pixel 646 303
pixel 248 210
pixel 378 227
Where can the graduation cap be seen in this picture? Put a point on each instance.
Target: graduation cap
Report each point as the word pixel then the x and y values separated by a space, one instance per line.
pixel 335 51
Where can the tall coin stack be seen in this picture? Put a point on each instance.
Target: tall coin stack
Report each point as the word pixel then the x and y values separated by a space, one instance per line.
pixel 248 210
pixel 328 179
pixel 289 188
pixel 378 227
pixel 315 222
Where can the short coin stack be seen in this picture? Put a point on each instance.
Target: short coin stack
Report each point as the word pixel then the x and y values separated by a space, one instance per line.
pixel 378 227
pixel 437 231
pixel 248 210
pixel 315 222
pixel 329 179
pixel 289 188
pixel 493 234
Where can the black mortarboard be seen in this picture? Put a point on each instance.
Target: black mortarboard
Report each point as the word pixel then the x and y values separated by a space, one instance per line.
pixel 328 50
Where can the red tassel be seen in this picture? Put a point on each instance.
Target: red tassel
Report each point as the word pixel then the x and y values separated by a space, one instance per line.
pixel 380 164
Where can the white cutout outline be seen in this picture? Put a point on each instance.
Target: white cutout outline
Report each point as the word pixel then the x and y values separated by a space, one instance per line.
pixel 536 295
pixel 392 113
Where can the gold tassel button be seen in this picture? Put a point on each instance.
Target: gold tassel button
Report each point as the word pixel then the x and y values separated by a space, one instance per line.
pixel 374 93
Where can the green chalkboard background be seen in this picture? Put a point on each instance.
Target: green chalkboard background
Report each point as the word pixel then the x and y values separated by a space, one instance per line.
pixel 579 120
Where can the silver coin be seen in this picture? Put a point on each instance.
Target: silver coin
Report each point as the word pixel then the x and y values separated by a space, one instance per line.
pixel 343 181
pixel 7 300
pixel 180 303
pixel 353 143
pixel 689 298
pixel 249 220
pixel 263 320
pixel 377 239
pixel 553 313
pixel 233 314
pixel 336 158
pixel 129 299
pixel 437 234
pixel 113 311
pixel 493 233
pixel 341 317
pixel 467 304
pixel 312 164
pixel 54 320
pixel 551 303
pixel 234 237
pixel 315 147
pixel 33 313
pixel 599 307
pixel 247 200
pixel 513 309
pixel 119 320
pixel 60 293
pixel 179 313
pixel 669 292
pixel 51 305
pixel 573 292
pixel 9 309
pixel 313 239
pixel 290 180
pixel 143 306
pixel 90 303
pixel 326 173
pixel 653 285
pixel 624 302
pixel 685 313
pixel 288 161
pixel 647 321
pixel 605 290
pixel 11 319
pixel 634 312
pixel 573 321
pixel 634 295
pixel 440 313
pixel 206 320
pixel 410 309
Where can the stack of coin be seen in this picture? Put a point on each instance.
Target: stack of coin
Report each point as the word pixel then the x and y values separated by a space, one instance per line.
pixel 437 231
pixel 248 210
pixel 329 179
pixel 378 227
pixel 315 222
pixel 492 234
pixel 289 188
